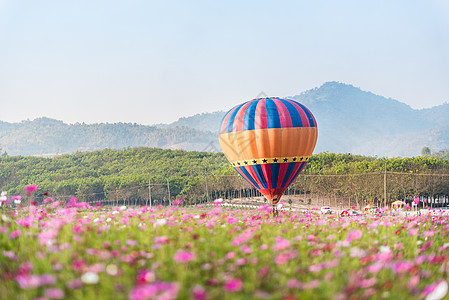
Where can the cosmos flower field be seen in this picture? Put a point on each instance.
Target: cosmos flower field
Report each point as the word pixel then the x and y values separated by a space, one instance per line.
pixel 76 251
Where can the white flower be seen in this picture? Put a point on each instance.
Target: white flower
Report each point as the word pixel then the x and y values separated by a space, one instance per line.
pixel 115 212
pixel 17 201
pixel 160 222
pixel 385 249
pixel 111 270
pixel 89 278
pixel 123 207
pixel 3 194
pixel 108 220
pixel 5 218
pixel 439 292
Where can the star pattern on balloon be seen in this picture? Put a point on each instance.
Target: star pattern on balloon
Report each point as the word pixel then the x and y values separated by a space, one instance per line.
pixel 269 160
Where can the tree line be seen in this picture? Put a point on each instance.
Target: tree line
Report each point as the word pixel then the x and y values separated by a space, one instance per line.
pixel 202 176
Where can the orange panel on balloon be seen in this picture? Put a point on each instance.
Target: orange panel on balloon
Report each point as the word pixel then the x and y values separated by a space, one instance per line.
pixel 266 143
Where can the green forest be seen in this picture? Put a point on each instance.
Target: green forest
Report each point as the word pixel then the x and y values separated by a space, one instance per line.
pixel 202 176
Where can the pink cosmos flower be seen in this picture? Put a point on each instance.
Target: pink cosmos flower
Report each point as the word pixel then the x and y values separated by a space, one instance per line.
pixel 30 189
pixel 28 281
pixel 413 231
pixel 54 294
pixel 413 282
pixel 233 285
pixel 15 234
pixel 365 283
pixel 48 200
pixel 293 284
pixel 199 293
pixel 145 276
pixel 354 234
pixel 178 201
pixel 183 256
pixel 246 249
pixel 281 244
pixel 156 290
pixel 230 255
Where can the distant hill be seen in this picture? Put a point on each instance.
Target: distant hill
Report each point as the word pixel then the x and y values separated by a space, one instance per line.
pixel 46 136
pixel 356 121
pixel 203 122
pixel 349 121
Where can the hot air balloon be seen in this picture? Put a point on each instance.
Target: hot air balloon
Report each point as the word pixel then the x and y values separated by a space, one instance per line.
pixel 269 142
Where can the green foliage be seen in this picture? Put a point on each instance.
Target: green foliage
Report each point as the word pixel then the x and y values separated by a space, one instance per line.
pixel 199 176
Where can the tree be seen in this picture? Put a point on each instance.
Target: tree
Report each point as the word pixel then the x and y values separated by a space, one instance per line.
pixel 426 151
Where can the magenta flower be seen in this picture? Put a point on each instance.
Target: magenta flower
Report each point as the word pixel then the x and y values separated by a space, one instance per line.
pixel 15 234
pixel 199 293
pixel 233 285
pixel 145 276
pixel 30 189
pixel 183 256
pixel 178 201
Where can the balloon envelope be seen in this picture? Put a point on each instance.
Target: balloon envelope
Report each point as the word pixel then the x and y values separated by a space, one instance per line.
pixel 269 141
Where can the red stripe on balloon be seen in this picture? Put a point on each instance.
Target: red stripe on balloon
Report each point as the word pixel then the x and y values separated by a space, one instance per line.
pixel 302 114
pixel 260 117
pixel 254 175
pixel 246 177
pixel 293 174
pixel 225 120
pixel 266 169
pixel 284 115
pixel 238 120
pixel 282 171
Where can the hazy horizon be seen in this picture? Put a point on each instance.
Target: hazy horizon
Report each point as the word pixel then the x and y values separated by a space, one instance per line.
pixel 151 62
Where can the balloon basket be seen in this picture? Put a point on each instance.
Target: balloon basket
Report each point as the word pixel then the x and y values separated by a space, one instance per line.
pixel 274 212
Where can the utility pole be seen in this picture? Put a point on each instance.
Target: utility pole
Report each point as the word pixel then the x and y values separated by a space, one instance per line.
pixel 168 188
pixel 385 185
pixel 207 189
pixel 149 191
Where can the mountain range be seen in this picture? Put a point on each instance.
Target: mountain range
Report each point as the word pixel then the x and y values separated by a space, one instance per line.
pixel 349 119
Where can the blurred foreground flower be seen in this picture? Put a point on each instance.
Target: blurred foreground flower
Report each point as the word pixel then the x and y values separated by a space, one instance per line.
pixel 30 189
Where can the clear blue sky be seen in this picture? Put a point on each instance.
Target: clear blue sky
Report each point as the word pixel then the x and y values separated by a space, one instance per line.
pixel 155 61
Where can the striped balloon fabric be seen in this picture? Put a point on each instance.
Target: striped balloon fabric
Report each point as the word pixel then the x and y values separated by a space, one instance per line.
pixel 269 141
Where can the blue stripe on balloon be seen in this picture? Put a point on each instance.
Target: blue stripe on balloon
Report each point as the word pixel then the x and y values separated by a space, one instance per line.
pixel 290 168
pixel 259 173
pixel 274 168
pixel 244 171
pixel 303 164
pixel 294 114
pixel 249 118
pixel 273 120
pixel 231 119
pixel 308 114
